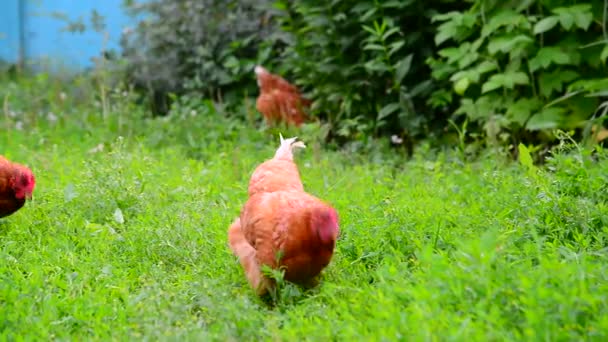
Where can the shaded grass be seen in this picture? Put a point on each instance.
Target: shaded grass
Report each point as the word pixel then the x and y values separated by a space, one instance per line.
pixel 129 242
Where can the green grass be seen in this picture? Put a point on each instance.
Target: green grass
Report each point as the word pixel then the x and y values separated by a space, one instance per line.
pixel 130 243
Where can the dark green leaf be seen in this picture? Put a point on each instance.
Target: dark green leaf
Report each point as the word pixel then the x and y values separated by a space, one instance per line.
pixel 403 67
pixel 486 66
pixel 520 110
pixel 545 24
pixel 373 46
pixel 493 83
pixel 444 33
pixel 604 54
pixel 395 47
pixel 388 110
pixel 547 118
pixel 507 43
pixel 390 32
pixel 547 56
pixel 505 18
pixel 553 81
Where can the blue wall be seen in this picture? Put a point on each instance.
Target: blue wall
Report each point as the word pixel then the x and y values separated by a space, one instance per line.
pixel 9 30
pixel 44 37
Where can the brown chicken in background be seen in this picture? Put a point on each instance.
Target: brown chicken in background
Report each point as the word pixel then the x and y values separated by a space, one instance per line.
pixel 282 226
pixel 279 101
pixel 17 183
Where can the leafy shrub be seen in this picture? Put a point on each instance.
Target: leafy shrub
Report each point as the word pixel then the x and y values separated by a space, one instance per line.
pixel 363 62
pixel 521 69
pixel 205 46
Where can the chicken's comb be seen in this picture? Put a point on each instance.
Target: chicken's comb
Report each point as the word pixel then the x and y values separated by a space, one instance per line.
pixel 285 150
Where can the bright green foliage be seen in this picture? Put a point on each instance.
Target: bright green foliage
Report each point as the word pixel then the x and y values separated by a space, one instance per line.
pixel 126 236
pixel 523 66
pixel 516 71
pixel 362 62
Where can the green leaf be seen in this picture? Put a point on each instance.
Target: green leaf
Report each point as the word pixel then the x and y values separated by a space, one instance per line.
pixel 520 110
pixel 390 32
pixel 583 19
pixel 462 55
pixel 395 47
pixel 589 85
pixel 505 18
pixel 580 15
pixel 565 18
pixel 369 29
pixel 492 84
pixel 403 68
pixel 368 14
pixel 547 56
pixel 547 118
pixel 468 59
pixel 472 74
pixel 604 54
pixel 507 43
pixel 486 66
pixel 518 78
pixel 388 110
pixel 553 81
pixel 374 47
pixel 524 4
pixel 506 80
pixel 460 87
pixel 480 110
pixel 375 65
pixel 442 36
pixel 446 16
pixel 231 62
pixel 545 24
pixel 525 158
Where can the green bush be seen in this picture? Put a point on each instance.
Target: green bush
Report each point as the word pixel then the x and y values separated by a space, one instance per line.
pixel 518 70
pixel 209 47
pixel 363 62
pixel 507 71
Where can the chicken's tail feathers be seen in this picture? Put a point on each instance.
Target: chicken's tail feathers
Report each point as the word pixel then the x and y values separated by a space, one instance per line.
pixel 285 150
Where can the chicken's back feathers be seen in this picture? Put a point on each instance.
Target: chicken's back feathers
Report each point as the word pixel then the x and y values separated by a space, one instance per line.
pixel 278 173
pixel 278 99
pixel 17 183
pixel 294 225
pixel 269 82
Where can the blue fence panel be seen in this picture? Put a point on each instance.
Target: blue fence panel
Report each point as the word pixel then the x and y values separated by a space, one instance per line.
pixel 44 36
pixel 9 30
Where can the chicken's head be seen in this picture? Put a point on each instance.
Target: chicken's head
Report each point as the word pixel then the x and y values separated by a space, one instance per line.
pixel 259 72
pixel 23 183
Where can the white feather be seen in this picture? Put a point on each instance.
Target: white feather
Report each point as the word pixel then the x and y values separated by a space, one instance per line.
pixel 287 146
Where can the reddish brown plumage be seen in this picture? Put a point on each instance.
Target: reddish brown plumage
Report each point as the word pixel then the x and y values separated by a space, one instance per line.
pixel 279 218
pixel 278 173
pixel 279 101
pixel 16 185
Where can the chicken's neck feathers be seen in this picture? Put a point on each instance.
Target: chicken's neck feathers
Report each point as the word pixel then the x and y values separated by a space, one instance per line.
pixel 287 146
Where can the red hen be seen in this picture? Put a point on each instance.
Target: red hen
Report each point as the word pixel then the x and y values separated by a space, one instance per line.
pixel 17 183
pixel 279 101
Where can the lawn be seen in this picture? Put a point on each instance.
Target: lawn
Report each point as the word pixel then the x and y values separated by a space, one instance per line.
pixel 125 238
